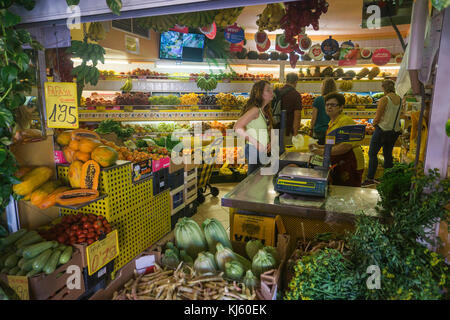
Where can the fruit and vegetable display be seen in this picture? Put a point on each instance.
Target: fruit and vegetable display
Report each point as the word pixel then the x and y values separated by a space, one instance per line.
pixel 28 253
pixel 190 99
pixel 307 99
pixel 227 17
pixel 112 126
pixel 369 127
pixel 355 99
pixel 169 100
pixel 127 86
pixel 207 84
pixel 76 229
pixel 270 18
pixel 132 99
pixel 226 99
pixel 148 74
pixel 346 85
pixel 208 100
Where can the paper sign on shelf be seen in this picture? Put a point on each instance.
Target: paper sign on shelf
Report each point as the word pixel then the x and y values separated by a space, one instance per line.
pixel 61 104
pixel 145 262
pixel 20 285
pixel 234 34
pixel 101 252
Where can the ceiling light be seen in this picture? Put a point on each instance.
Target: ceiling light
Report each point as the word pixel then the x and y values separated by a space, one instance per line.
pixel 189 66
pixel 107 61
pixel 262 69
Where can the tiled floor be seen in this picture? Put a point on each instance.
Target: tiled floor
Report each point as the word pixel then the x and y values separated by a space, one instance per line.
pixel 211 208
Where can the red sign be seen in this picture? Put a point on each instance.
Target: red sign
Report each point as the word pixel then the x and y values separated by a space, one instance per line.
pixel 381 56
pixel 181 29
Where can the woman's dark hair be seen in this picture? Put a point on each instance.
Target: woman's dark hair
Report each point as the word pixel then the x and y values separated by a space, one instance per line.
pixel 335 95
pixel 256 100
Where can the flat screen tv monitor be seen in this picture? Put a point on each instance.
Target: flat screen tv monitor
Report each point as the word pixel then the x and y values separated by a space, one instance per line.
pixel 181 46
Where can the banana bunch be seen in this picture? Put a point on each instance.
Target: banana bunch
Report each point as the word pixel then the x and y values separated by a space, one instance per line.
pixel 87 52
pixel 207 84
pixel 346 85
pixel 128 86
pixel 196 19
pixel 158 23
pixel 96 32
pixel 226 100
pixel 227 17
pixel 270 19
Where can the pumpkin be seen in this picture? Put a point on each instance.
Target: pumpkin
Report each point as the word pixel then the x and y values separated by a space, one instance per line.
pixel 83 133
pixel 90 173
pixel 76 196
pixel 74 145
pixel 74 174
pixel 82 156
pixel 105 156
pixel 69 154
pixel 88 145
pixel 64 138
pixel 33 180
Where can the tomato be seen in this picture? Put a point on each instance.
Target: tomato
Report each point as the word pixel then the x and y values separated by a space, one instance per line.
pixel 98 224
pixel 101 218
pixel 67 231
pixel 101 230
pixel 72 233
pixel 85 231
pixel 82 239
pixel 79 232
pixel 61 239
pixel 74 227
pixel 105 222
pixel 91 235
pixel 90 241
pixel 91 230
pixel 87 225
pixel 73 240
pixel 84 219
pixel 108 230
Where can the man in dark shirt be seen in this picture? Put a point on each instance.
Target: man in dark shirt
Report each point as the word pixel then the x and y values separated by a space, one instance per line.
pixel 291 101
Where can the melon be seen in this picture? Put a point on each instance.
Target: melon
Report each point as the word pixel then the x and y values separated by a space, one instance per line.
pixel 263 56
pixel 283 56
pixel 274 55
pixel 252 55
pixel 242 54
pixel 366 53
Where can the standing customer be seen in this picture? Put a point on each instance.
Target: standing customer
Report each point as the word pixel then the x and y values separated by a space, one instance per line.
pixel 387 130
pixel 255 123
pixel 347 157
pixel 291 101
pixel 320 119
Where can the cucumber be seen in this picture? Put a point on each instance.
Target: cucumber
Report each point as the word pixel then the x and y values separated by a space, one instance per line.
pixel 5 270
pixel 42 259
pixel 29 241
pixel 13 237
pixel 61 247
pixel 21 273
pixel 28 265
pixel 12 260
pixel 55 244
pixel 52 262
pixel 21 262
pixel 32 273
pixel 14 271
pixel 3 258
pixel 25 237
pixel 66 255
pixel 36 249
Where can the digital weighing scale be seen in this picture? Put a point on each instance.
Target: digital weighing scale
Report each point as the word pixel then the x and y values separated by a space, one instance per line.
pixel 314 182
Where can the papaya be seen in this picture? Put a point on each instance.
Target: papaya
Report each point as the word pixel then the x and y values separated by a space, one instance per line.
pixel 105 156
pixel 74 145
pixel 50 200
pixel 74 174
pixel 64 138
pixel 33 180
pixel 88 145
pixel 43 191
pixel 90 174
pixel 83 133
pixel 69 154
pixel 76 196
pixel 82 156
pixel 22 171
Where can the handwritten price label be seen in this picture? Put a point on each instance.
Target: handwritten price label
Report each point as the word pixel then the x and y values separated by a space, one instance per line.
pixel 102 251
pixel 20 285
pixel 61 104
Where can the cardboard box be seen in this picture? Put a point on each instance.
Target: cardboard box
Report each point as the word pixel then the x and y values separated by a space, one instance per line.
pixel 250 226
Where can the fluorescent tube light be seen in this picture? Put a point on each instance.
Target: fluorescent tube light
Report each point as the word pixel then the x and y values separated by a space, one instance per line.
pixel 262 69
pixel 188 66
pixel 107 61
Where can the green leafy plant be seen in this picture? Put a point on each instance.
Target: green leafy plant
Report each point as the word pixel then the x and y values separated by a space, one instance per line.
pixel 114 5
pixel 110 126
pixel 17 75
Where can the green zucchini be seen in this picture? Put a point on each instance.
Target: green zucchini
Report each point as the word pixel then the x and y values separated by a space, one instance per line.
pixel 14 271
pixel 21 273
pixel 245 262
pixel 42 259
pixel 5 270
pixel 12 260
pixel 55 244
pixel 3 258
pixel 52 262
pixel 36 249
pixel 28 265
pixel 29 234
pixel 29 241
pixel 21 262
pixel 61 247
pixel 66 255
pixel 13 237
pixel 32 273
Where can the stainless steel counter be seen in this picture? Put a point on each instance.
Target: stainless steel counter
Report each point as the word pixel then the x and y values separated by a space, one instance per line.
pixel 342 204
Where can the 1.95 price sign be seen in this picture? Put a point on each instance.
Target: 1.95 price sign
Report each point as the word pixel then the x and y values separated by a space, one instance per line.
pixel 102 251
pixel 61 104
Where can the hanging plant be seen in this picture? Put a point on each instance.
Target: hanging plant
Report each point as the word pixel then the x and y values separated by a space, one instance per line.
pixel 17 75
pixel 114 5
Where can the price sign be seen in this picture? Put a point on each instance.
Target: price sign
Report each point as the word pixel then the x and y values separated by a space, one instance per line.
pixel 61 104
pixel 102 251
pixel 20 285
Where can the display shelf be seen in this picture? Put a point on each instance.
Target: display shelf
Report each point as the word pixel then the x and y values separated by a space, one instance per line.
pixel 169 115
pixel 82 205
pixel 355 114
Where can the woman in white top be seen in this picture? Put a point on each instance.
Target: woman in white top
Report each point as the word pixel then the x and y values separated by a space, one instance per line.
pixel 387 130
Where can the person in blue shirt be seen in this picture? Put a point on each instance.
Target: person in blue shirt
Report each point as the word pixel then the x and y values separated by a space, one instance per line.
pixel 320 119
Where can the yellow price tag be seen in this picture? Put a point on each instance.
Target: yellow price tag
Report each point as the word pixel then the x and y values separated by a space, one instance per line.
pixel 61 104
pixel 330 140
pixel 102 251
pixel 20 285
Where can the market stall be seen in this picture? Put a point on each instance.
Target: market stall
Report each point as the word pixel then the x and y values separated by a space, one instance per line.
pixel 107 131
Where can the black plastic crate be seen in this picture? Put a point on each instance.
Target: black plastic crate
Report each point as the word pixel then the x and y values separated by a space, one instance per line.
pixel 176 179
pixel 177 199
pixel 190 209
pixel 101 276
pixel 160 181
pixel 174 218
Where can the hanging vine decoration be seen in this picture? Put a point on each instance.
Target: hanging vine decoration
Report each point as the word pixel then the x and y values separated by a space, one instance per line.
pixel 17 76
